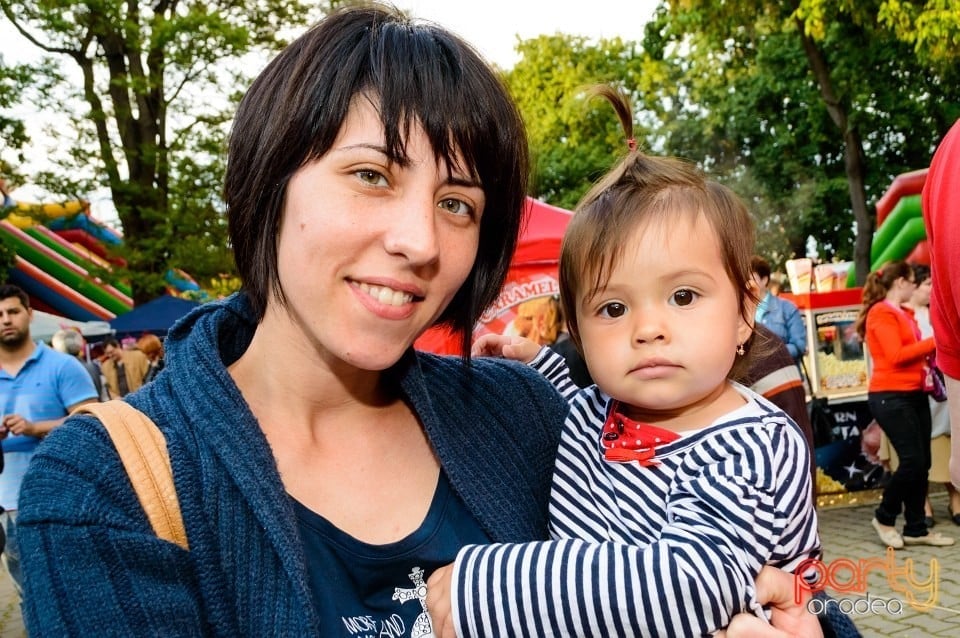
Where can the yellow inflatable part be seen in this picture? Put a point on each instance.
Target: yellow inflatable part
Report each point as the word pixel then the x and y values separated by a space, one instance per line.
pixel 20 221
pixel 52 211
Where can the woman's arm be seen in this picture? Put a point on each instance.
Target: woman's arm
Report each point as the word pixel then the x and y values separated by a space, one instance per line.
pixel 885 340
pixel 797 340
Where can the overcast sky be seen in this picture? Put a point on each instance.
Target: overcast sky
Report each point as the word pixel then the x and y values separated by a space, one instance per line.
pixel 492 26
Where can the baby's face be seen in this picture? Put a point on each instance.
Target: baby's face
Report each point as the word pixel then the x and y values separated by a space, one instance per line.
pixel 662 334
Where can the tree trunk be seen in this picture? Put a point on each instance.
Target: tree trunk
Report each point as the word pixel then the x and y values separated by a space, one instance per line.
pixel 853 156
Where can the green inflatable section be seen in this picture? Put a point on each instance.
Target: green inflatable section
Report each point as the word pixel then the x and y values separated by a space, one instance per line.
pixel 912 233
pixel 71 255
pixel 896 238
pixel 906 209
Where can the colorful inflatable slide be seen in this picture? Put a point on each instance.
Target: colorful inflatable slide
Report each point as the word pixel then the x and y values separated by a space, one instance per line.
pixel 59 248
pixel 900 232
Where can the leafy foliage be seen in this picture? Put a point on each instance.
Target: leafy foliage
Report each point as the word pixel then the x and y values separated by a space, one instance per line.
pixel 153 89
pixel 573 140
pixel 816 124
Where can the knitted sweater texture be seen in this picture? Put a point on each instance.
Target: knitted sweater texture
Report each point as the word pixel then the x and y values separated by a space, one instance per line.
pixel 92 565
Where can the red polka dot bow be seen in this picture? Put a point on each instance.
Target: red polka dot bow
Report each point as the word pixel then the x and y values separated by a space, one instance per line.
pixel 625 440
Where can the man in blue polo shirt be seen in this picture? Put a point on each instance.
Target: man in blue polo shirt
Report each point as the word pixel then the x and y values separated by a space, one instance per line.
pixel 38 388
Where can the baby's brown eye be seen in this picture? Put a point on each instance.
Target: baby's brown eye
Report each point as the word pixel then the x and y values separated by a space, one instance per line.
pixel 683 297
pixel 613 310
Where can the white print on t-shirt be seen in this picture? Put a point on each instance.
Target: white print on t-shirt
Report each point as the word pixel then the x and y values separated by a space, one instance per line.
pixel 370 627
pixel 422 627
pixel 394 627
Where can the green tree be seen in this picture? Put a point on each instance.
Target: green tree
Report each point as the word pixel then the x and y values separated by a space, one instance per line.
pixel 154 82
pixel 573 140
pixel 14 79
pixel 808 100
pixel 14 82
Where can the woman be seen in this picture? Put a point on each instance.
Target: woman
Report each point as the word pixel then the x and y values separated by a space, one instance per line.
pixel 777 314
pixel 151 346
pixel 939 412
pixel 898 402
pixel 375 184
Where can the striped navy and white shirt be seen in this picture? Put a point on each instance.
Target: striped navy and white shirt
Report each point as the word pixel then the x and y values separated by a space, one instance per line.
pixel 668 550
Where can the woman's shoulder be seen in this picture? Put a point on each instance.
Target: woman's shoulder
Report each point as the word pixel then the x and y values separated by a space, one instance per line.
pixel 75 468
pixel 490 390
pixel 882 308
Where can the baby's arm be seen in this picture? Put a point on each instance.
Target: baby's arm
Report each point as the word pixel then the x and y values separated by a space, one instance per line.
pixel 776 589
pixel 541 358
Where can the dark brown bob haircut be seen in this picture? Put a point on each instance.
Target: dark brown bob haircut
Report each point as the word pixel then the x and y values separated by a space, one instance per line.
pixel 647 191
pixel 415 73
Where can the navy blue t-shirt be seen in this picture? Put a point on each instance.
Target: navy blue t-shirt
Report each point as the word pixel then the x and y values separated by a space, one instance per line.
pixel 379 591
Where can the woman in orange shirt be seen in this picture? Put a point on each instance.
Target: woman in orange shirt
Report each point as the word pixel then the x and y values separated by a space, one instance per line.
pixel 898 402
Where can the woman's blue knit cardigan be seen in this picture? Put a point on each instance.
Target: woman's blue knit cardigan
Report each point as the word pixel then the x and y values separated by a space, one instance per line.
pixel 93 567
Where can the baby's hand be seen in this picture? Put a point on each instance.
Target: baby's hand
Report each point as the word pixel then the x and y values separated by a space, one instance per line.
pixel 509 347
pixel 438 602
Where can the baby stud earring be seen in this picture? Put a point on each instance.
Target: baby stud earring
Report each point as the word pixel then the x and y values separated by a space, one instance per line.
pixel 740 349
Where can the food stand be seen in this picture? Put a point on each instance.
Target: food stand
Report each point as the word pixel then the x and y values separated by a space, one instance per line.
pixel 837 372
pixel 835 361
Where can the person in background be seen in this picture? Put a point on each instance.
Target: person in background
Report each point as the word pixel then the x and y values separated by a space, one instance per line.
pixel 898 403
pixel 939 411
pixel 566 348
pixel 151 346
pixel 38 388
pixel 780 316
pixel 123 369
pixel 324 467
pixel 70 341
pixel 941 213
pixel 541 320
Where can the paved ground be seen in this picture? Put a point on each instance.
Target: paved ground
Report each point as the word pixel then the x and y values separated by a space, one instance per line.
pixel 847 536
pixel 11 624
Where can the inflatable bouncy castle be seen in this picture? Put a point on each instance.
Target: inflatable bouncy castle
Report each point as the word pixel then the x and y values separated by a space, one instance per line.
pixel 64 259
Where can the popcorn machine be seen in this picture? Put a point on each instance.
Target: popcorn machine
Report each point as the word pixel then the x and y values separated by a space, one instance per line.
pixel 835 361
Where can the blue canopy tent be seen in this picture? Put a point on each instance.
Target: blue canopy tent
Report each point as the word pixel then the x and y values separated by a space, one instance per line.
pixel 153 317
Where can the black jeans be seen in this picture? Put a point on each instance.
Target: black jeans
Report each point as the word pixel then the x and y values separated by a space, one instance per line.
pixel 905 418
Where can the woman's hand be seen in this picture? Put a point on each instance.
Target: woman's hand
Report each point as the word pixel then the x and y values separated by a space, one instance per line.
pixel 509 347
pixel 776 590
pixel 438 602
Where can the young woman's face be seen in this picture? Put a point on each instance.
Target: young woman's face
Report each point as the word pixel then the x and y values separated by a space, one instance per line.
pixel 371 252
pixel 921 296
pixel 662 335
pixel 903 288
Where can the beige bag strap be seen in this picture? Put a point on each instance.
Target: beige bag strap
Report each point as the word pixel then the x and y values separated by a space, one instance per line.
pixel 143 452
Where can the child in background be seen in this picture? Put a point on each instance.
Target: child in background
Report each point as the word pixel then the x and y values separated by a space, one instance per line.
pixel 669 477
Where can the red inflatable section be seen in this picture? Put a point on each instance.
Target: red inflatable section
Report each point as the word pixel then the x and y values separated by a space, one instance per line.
pixel 902 185
pixel 920 254
pixel 533 273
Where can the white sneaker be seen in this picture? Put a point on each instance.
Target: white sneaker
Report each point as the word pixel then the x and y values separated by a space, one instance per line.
pixel 934 539
pixel 889 536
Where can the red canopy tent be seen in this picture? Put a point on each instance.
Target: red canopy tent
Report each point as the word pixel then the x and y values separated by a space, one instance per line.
pixel 533 273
